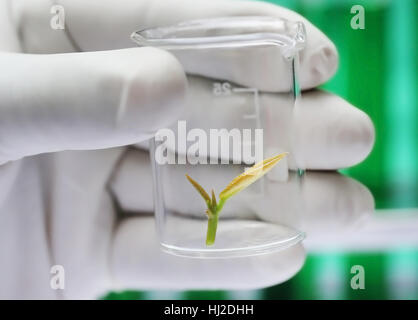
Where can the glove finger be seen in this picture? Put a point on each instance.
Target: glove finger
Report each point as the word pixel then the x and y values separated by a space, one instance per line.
pixel 102 25
pixel 86 101
pixel 323 132
pixel 325 199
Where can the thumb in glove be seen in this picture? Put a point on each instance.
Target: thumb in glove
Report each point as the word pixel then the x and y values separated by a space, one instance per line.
pixel 84 101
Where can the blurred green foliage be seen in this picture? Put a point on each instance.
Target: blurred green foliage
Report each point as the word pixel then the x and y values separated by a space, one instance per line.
pixel 378 74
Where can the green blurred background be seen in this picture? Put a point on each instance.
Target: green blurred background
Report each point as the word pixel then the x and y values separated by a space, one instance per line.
pixel 377 73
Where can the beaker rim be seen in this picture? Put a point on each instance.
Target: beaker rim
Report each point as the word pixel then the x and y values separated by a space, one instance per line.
pixel 226 32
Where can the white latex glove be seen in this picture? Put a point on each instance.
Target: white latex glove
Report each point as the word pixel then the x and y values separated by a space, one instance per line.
pixel 56 208
pixel 100 252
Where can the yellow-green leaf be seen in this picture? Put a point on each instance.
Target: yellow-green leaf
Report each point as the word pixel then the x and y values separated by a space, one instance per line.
pixel 199 189
pixel 251 175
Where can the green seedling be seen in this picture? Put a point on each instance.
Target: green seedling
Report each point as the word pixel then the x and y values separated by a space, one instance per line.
pixel 236 185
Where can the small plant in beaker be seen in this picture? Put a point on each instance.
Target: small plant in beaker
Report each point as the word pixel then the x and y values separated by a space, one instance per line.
pixel 239 183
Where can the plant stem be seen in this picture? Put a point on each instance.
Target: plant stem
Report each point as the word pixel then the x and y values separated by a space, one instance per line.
pixel 213 223
pixel 220 205
pixel 211 232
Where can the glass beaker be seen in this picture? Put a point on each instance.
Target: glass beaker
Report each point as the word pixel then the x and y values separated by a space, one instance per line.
pixel 248 119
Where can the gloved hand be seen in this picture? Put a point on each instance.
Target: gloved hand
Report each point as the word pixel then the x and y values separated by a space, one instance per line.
pixel 100 252
pixel 57 208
